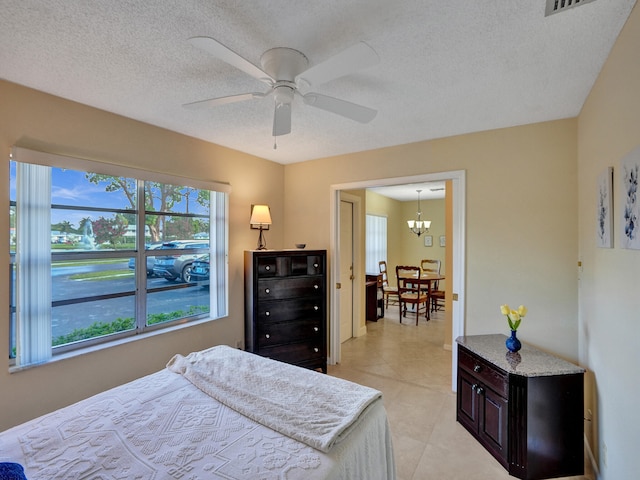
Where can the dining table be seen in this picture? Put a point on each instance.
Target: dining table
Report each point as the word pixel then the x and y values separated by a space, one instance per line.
pixel 425 278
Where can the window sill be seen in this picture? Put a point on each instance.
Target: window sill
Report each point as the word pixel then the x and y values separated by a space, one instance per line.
pixel 121 341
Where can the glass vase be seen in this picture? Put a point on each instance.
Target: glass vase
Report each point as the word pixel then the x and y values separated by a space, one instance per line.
pixel 513 344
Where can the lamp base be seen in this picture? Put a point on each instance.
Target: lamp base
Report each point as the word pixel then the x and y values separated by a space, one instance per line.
pixel 262 244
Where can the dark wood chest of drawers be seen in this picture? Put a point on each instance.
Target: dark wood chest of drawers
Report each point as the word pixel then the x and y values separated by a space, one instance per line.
pixel 285 306
pixel 526 409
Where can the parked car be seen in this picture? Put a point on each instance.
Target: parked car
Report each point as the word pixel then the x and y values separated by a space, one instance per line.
pixel 150 260
pixel 200 270
pixel 177 267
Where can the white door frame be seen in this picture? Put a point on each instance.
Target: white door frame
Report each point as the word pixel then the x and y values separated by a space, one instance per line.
pixel 356 229
pixel 459 263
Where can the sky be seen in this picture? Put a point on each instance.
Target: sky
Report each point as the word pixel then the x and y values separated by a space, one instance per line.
pixel 71 187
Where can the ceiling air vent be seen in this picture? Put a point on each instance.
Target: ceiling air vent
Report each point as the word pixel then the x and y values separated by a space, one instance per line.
pixel 555 6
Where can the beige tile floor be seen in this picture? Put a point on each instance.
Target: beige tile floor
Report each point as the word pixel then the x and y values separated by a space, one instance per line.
pixel 412 369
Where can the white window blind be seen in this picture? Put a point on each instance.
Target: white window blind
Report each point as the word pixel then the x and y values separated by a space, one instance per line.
pixel 376 242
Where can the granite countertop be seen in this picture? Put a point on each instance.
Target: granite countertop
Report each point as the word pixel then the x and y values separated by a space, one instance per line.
pixel 528 362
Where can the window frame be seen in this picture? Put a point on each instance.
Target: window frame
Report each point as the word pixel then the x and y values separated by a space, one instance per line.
pixel 218 248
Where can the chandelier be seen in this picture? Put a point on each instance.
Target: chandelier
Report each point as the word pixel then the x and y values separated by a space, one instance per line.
pixel 419 226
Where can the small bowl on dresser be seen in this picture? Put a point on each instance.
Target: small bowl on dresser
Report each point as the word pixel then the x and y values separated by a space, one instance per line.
pixel 301 245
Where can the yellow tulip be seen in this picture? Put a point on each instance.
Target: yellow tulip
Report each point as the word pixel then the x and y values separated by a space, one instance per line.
pixel 504 309
pixel 522 310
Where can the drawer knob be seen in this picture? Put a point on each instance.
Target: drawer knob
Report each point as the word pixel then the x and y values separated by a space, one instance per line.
pixel 315 329
pixel 267 336
pixel 479 390
pixel 315 265
pixel 477 368
pixel 266 290
pixel 316 349
pixel 315 307
pixel 316 287
pixel 267 314
pixel 267 268
pixel 473 387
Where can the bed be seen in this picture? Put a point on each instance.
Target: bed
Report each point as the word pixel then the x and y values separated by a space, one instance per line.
pixel 218 413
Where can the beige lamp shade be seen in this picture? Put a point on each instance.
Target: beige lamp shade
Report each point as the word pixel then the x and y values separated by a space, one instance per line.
pixel 260 215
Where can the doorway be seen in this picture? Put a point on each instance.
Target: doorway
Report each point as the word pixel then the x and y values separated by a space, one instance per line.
pixel 458 248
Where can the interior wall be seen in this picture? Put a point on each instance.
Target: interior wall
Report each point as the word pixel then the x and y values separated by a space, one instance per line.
pixel 521 226
pixel 413 247
pixel 608 129
pixel 43 122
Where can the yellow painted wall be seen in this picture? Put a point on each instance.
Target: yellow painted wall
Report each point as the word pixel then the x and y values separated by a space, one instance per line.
pixel 412 247
pixel 43 122
pixel 521 224
pixel 608 129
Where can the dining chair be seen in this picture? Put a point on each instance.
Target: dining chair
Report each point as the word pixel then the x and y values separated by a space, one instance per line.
pixel 409 291
pixel 387 290
pixel 437 295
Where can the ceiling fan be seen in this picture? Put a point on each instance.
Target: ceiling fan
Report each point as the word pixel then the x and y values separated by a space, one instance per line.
pixel 285 71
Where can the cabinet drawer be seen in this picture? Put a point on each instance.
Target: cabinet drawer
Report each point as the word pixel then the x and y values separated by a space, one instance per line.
pixel 283 266
pixel 290 287
pixel 484 372
pixel 280 333
pixel 295 352
pixel 310 308
pixel 267 266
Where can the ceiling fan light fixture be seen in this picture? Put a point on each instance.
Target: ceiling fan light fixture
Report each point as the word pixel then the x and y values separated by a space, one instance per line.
pixel 283 95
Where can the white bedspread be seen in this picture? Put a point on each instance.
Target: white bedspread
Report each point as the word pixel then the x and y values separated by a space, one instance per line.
pixel 311 407
pixel 163 427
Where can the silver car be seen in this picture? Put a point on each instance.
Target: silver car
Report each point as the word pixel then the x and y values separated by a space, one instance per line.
pixel 177 267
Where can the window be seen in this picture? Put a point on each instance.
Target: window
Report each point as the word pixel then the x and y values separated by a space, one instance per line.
pixel 100 252
pixel 376 242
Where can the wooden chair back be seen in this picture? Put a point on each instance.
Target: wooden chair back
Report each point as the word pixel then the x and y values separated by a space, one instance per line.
pixel 382 265
pixel 409 291
pixel 437 295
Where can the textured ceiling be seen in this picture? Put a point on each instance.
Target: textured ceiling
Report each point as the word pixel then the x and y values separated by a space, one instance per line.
pixel 446 67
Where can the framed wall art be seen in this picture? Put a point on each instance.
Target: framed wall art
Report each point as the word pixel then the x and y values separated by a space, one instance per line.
pixel 442 241
pixel 428 240
pixel 604 211
pixel 629 206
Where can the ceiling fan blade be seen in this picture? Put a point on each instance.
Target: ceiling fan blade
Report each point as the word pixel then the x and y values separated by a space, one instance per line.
pixel 214 102
pixel 224 53
pixel 282 119
pixel 348 61
pixel 350 110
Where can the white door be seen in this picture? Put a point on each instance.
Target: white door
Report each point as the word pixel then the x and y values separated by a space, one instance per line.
pixel 346 270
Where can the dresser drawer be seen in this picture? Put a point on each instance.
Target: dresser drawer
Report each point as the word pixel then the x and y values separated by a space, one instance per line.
pixel 306 308
pixel 280 333
pixel 292 265
pixel 295 352
pixel 290 287
pixel 484 372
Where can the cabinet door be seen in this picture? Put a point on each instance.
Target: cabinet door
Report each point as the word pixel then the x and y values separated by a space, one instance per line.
pixel 467 411
pixel 492 422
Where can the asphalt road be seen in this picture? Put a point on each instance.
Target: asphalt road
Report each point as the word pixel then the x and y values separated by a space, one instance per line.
pixel 69 317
